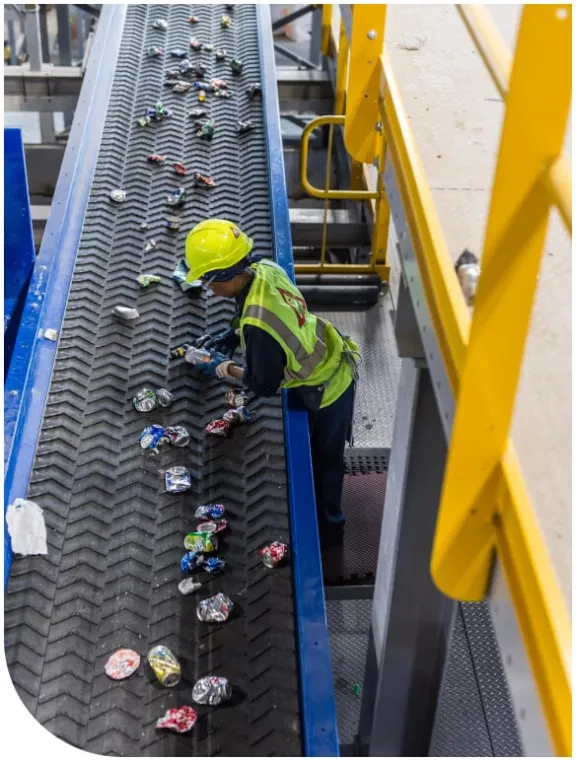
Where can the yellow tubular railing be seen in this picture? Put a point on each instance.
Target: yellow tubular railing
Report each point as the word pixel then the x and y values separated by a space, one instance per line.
pixel 490 512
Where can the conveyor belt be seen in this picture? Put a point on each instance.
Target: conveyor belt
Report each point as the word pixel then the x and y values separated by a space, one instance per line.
pixel 115 537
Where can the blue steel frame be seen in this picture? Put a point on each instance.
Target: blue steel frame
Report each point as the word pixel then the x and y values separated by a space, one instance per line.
pixel 319 728
pixel 28 380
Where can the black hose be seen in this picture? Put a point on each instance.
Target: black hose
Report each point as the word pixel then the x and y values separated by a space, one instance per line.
pixel 340 296
pixel 323 280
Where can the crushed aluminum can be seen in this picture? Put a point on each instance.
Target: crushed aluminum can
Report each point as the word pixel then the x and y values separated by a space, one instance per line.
pixel 253 90
pixel 222 94
pixel 179 168
pixel 215 609
pixel 239 416
pixel 165 398
pixel 181 87
pixel 211 691
pixel 201 86
pixel 198 113
pixel 117 195
pixel 178 53
pixel 158 112
pixel 220 428
pixel 273 554
pixel 154 52
pixel 143 121
pixel 184 69
pixel 213 565
pixel 229 7
pixel 150 246
pixel 218 84
pixel 236 66
pixel 51 334
pixel 221 55
pixel 193 19
pixel 173 223
pixel 145 281
pixel 191 562
pixel 208 47
pixel 176 197
pixel 235 400
pixel 128 314
pixel 152 436
pixel 203 181
pixel 178 720
pixel 201 96
pixel 244 127
pixel 210 511
pixel 200 70
pixel 212 527
pixel 195 44
pixel 196 356
pixel 172 75
pixel 177 435
pixel 165 666
pixel 225 21
pixel 198 542
pixel 205 130
pixel 156 158
pixel 188 585
pixel 122 664
pixel 178 479
pixel 145 400
pixel 160 23
pixel 143 225
pixel 180 274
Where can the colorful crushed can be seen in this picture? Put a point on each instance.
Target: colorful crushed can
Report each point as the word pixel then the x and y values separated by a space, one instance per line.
pixel 220 428
pixel 178 479
pixel 178 720
pixel 178 53
pixel 173 222
pixel 152 436
pixel 165 398
pixel 203 181
pixel 213 565
pixel 145 400
pixel 253 90
pixel 193 19
pixel 273 554
pixel 197 542
pixel 165 666
pixel 239 416
pixel 212 527
pixel 211 691
pixel 145 281
pixel 236 65
pixel 176 197
pixel 160 23
pixel 218 84
pixel 177 435
pixel 156 158
pixel 198 113
pixel 191 562
pixel 197 356
pixel 221 54
pixel 179 168
pixel 244 127
pixel 201 96
pixel 143 121
pixel 181 87
pixel 215 609
pixel 208 47
pixel 225 21
pixel 210 511
pixel 154 52
pixel 205 130
pixel 235 399
pixel 118 195
pixel 195 44
pixel 222 94
pixel 200 70
pixel 122 664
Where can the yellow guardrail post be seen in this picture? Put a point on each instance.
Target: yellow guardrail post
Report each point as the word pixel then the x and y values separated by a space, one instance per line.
pixel 362 108
pixel 474 512
pixel 326 41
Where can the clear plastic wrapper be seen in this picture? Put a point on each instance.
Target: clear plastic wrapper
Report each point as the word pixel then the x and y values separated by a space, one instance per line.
pixel 188 586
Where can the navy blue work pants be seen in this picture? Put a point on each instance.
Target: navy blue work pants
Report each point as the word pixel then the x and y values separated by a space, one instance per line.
pixel 330 428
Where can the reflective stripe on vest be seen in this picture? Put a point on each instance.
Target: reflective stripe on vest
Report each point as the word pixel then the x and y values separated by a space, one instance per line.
pixel 308 362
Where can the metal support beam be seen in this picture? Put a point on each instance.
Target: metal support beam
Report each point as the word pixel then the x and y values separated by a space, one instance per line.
pixel 47 131
pixel 316 38
pixel 411 620
pixel 291 17
pixel 64 46
pixel 287 53
pixel 44 34
pixel 12 41
pixel 33 43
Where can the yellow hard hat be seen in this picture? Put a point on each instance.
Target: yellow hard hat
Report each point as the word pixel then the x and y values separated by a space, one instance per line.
pixel 215 244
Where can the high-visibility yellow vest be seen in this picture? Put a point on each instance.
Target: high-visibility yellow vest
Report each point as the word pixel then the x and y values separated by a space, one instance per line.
pixel 313 346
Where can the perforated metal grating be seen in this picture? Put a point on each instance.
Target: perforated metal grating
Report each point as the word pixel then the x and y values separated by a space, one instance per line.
pixel 115 537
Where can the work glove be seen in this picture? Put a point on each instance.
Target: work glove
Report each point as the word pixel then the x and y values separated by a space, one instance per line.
pixel 209 369
pixel 226 342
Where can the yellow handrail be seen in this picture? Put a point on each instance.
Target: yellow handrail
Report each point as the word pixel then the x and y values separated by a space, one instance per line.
pixel 505 522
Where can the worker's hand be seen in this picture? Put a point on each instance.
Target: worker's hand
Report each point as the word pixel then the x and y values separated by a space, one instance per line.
pixel 226 342
pixel 209 368
pixel 222 370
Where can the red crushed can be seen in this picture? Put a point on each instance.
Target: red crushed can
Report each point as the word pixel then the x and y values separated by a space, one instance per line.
pixel 273 554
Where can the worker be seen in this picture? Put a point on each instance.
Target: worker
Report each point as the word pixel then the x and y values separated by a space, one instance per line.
pixel 285 346
pixel 7 53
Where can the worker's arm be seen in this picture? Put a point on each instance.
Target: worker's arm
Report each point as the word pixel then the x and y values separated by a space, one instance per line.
pixel 265 363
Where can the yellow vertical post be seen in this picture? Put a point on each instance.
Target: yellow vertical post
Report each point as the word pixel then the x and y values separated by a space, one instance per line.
pixel 325 44
pixel 381 220
pixel 532 137
pixel 341 71
pixel 362 111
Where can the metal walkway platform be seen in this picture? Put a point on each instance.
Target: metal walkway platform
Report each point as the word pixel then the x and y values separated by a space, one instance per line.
pixel 115 537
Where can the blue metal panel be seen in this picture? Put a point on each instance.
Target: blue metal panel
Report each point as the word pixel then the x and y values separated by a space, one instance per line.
pixel 316 684
pixel 28 380
pixel 18 237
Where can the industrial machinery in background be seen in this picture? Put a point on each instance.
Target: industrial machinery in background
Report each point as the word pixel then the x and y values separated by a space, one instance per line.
pixel 439 627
